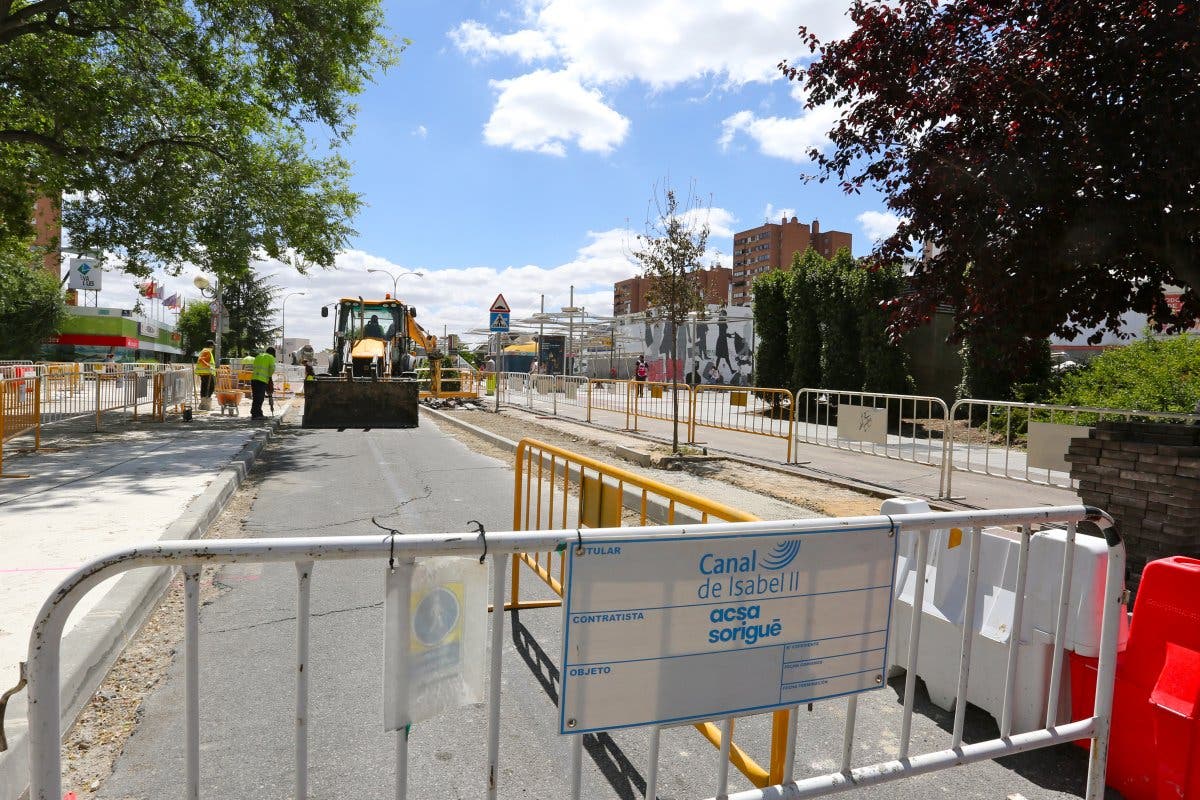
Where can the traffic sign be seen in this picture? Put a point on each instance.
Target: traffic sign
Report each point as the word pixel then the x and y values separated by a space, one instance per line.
pixel 500 305
pixel 499 321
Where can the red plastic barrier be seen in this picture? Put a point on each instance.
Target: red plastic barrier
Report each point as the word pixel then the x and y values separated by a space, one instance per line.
pixel 1154 752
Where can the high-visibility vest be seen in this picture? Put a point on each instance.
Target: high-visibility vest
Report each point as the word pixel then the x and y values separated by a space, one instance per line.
pixel 264 368
pixel 205 363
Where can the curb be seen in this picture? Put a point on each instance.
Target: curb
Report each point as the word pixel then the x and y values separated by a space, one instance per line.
pixel 91 648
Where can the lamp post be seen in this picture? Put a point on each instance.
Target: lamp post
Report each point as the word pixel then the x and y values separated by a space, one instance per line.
pixel 397 276
pixel 207 289
pixel 283 322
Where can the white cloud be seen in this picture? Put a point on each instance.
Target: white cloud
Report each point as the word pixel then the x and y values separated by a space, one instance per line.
pixel 660 43
pixel 789 138
pixel 878 225
pixel 543 111
pixel 719 221
pixel 449 299
pixel 420 131
pixel 473 38
pixel 772 214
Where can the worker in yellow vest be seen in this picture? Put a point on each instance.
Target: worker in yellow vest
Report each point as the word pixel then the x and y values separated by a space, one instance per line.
pixel 206 368
pixel 260 381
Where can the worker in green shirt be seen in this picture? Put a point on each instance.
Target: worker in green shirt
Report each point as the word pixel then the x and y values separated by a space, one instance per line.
pixel 260 381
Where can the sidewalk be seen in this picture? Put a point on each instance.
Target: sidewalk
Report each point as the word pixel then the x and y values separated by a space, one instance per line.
pixel 884 477
pixel 90 494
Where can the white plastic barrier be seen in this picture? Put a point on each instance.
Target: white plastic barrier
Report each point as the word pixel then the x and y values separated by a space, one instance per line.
pixel 995 600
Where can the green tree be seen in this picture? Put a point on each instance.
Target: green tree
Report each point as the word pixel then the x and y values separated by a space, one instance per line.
pixel 250 308
pixel 171 124
pixel 805 290
pixel 885 363
pixel 842 303
pixel 991 373
pixel 194 327
pixel 772 359
pixel 670 252
pixel 1153 373
pixel 32 306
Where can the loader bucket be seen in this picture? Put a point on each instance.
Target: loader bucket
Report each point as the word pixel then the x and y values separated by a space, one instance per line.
pixel 360 403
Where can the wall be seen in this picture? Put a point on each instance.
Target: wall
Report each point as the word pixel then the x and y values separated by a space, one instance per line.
pixel 1148 477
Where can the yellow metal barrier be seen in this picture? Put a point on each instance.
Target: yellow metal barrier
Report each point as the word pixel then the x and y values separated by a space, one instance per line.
pixel 765 412
pixel 659 400
pixel 555 488
pixel 609 395
pixel 20 412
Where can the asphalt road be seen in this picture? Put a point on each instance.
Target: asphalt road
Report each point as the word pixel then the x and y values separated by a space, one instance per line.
pixel 323 483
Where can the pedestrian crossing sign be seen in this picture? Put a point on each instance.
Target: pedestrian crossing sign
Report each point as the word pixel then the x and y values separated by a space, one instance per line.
pixel 499 322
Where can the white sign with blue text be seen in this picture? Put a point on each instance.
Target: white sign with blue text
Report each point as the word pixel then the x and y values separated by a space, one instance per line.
pixel 661 631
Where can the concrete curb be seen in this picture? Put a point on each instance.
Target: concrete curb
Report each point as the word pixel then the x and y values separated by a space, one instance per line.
pixel 91 648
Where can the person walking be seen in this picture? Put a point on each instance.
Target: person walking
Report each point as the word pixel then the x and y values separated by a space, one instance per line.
pixel 640 372
pixel 260 381
pixel 206 368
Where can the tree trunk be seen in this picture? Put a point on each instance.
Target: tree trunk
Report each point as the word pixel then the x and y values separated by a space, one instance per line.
pixel 674 389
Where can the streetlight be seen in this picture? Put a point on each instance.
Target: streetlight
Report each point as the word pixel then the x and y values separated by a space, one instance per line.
pixel 283 322
pixel 396 277
pixel 213 293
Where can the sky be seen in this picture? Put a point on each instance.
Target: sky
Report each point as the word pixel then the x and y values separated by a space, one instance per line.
pixel 518 144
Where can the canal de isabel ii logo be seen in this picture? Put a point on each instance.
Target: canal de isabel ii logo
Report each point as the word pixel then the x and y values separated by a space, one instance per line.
pixel 781 555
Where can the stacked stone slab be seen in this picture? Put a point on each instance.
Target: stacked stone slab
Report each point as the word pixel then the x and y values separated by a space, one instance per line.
pixel 1147 475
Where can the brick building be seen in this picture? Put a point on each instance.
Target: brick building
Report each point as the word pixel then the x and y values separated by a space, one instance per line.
pixel 772 245
pixel 629 295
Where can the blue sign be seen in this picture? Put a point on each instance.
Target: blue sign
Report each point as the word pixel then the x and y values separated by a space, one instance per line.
pixel 499 322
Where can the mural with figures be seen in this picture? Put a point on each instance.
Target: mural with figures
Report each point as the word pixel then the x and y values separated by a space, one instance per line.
pixel 715 349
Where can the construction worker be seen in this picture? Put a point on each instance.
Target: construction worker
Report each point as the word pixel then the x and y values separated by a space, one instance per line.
pixel 260 381
pixel 206 368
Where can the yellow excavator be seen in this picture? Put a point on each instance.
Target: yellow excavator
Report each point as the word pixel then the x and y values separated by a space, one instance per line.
pixel 370 383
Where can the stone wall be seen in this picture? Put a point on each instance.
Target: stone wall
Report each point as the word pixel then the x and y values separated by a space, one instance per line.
pixel 1148 477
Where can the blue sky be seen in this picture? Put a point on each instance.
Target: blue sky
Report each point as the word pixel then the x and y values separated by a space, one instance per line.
pixel 516 145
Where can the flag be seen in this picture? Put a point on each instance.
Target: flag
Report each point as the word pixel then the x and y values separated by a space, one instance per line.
pixel 172 301
pixel 148 290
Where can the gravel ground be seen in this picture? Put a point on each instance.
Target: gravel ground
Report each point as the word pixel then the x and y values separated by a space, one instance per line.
pixel 816 496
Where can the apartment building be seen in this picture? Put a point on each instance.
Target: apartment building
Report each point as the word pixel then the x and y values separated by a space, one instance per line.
pixel 629 295
pixel 771 246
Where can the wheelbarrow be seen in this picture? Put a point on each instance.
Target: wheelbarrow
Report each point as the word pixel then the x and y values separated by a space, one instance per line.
pixel 229 401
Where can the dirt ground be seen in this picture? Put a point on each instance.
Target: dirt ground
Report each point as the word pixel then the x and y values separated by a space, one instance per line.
pixel 824 498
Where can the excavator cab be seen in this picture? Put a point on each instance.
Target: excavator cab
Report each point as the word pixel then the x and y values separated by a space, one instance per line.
pixel 369 383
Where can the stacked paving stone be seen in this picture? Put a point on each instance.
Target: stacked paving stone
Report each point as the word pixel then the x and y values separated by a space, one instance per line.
pixel 1147 476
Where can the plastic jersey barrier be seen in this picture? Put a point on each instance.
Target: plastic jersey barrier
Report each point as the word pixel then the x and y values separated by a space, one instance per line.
pixel 1155 751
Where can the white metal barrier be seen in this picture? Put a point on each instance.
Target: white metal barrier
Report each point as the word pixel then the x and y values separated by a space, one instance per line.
pixel 45 723
pixel 897 426
pixel 1026 441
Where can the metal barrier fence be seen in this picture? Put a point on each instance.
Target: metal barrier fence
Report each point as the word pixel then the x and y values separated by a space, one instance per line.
pixel 609 395
pixel 1026 441
pixel 764 412
pixel 661 400
pixel 555 488
pixel 43 668
pixel 20 412
pixel 175 388
pixel 895 426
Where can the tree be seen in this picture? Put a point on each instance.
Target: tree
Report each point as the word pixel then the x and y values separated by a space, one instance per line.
pixel 772 361
pixel 670 252
pixel 1154 374
pixel 250 308
pixel 167 121
pixel 805 296
pixel 194 327
pixel 1045 148
pixel 32 306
